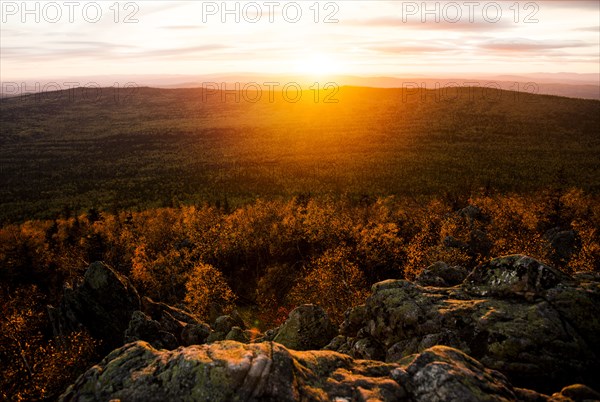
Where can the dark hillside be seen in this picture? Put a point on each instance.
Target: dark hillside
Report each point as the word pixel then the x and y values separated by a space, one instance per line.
pixel 145 147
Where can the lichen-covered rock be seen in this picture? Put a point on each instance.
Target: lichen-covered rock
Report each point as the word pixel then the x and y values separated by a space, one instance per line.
pixel 353 320
pixel 142 327
pixel 513 275
pixel 171 320
pixel 232 371
pixel 237 334
pixel 307 327
pixel 444 374
pixel 103 304
pixel 195 334
pixel 163 312
pixel 215 336
pixel 546 335
pixel 224 324
pixel 442 275
pixel 577 393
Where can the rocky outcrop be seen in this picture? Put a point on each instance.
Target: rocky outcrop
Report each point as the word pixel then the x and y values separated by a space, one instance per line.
pixel 513 322
pixel 513 276
pixel 103 304
pixel 577 392
pixel 232 371
pixel 195 334
pixel 307 327
pixel 165 327
pixel 516 315
pixel 442 275
pixel 142 327
pixel 168 315
pixel 108 306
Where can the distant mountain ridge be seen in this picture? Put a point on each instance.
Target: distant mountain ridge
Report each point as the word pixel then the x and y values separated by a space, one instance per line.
pixel 571 85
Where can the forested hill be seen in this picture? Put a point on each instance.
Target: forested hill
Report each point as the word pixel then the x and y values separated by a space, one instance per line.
pixel 144 147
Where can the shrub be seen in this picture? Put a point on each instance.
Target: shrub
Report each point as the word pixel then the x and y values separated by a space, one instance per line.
pixel 36 368
pixel 333 282
pixel 207 291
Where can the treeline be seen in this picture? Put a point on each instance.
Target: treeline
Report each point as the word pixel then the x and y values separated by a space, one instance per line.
pixel 265 258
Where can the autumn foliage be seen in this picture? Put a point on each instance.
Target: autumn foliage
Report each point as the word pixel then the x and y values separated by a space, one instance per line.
pixel 264 258
pixel 207 291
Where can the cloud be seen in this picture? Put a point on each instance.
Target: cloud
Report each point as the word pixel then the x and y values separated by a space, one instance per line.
pixel 530 45
pixel 414 49
pixel 62 48
pixel 182 27
pixel 595 29
pixel 88 44
pixel 573 4
pixel 414 23
pixel 182 52
pixel 103 50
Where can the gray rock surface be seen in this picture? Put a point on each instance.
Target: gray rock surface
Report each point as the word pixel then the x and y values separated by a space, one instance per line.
pixel 232 371
pixel 441 274
pixel 142 327
pixel 195 334
pixel 513 275
pixel 103 304
pixel 536 325
pixel 307 327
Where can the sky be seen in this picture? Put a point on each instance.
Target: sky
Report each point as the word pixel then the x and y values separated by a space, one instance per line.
pixel 45 39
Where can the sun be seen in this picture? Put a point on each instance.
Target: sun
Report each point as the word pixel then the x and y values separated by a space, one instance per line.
pixel 318 65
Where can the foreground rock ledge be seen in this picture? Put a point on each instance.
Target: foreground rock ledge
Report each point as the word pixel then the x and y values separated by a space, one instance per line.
pixel 232 371
pixel 536 325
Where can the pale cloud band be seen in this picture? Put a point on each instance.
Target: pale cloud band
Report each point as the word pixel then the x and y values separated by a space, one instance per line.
pixel 367 38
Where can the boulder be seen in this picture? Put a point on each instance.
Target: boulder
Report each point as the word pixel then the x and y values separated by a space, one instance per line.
pixel 232 371
pixel 142 327
pixel 224 323
pixel 577 393
pixel 171 320
pixel 442 275
pixel 307 327
pixel 103 304
pixel 353 320
pixel 445 374
pixel 516 315
pixel 195 334
pixel 163 312
pixel 513 275
pixel 237 334
pixel 109 307
pixel 223 326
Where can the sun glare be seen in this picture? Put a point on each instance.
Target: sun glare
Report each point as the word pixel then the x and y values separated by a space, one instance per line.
pixel 319 64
